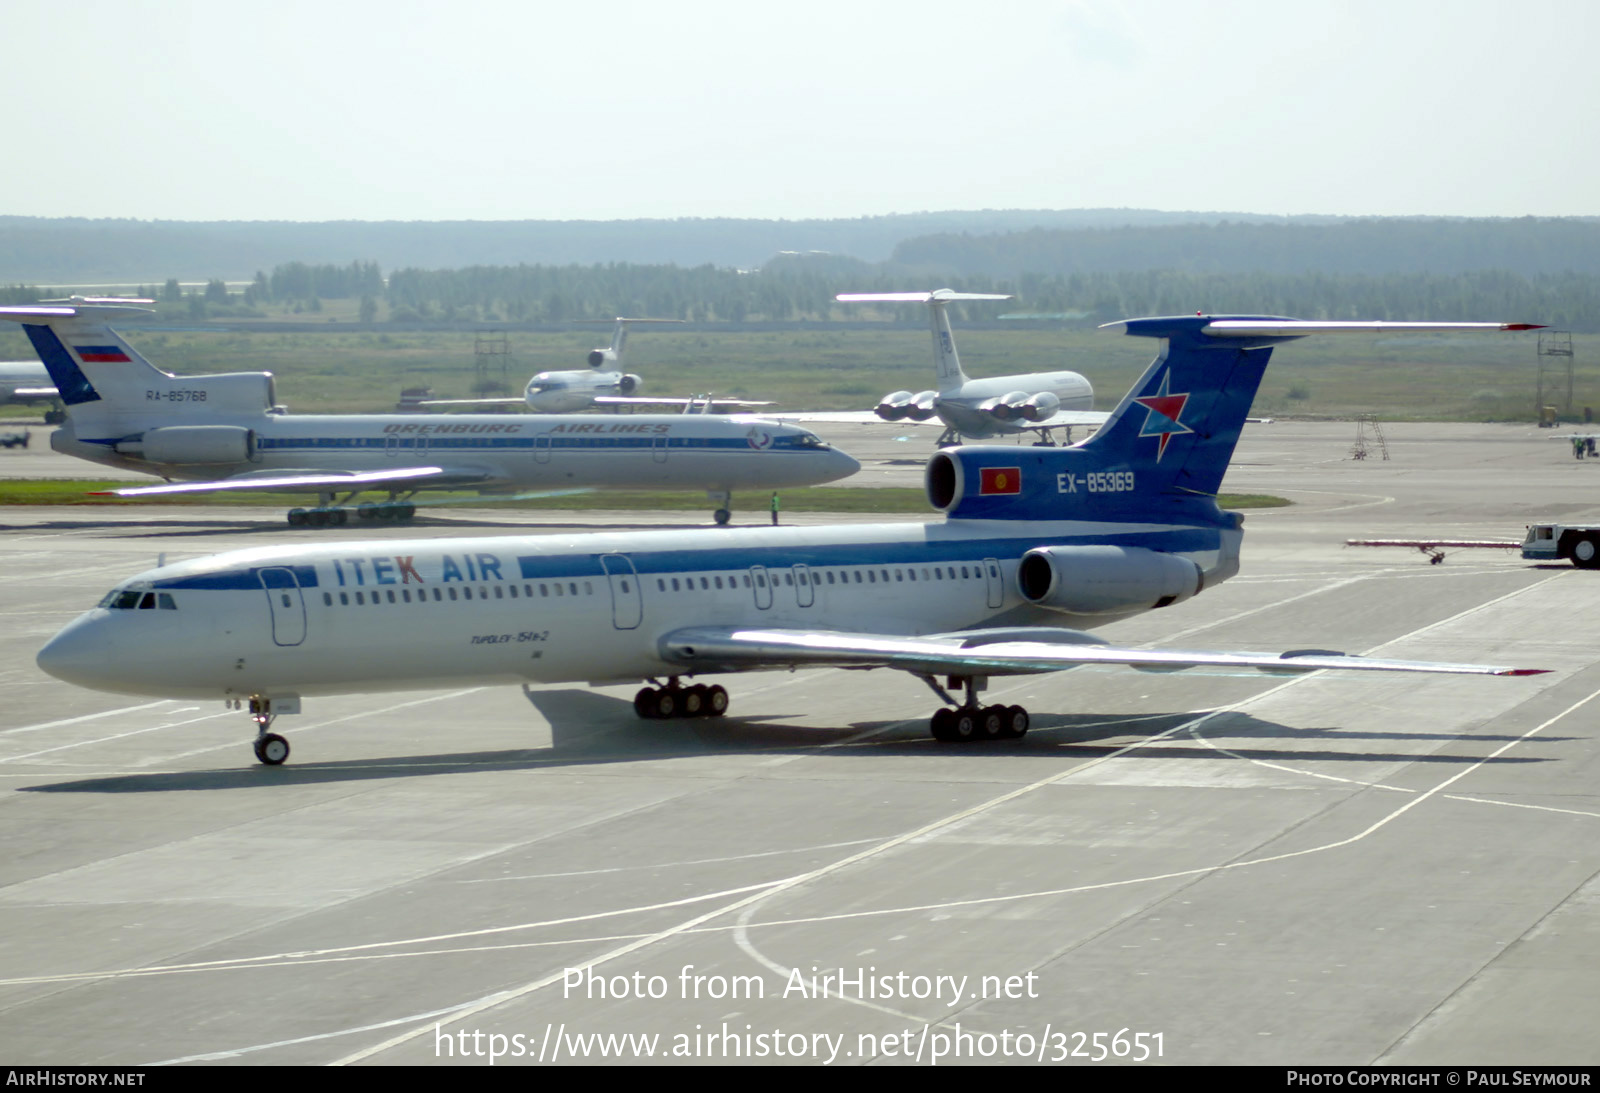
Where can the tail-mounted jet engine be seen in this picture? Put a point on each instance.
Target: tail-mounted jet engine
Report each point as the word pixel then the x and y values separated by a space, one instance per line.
pixel 193 444
pixel 1100 580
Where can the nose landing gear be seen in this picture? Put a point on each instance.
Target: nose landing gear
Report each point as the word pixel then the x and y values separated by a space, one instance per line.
pixel 270 748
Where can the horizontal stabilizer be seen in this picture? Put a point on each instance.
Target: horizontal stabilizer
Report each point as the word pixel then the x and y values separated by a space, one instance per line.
pixel 1250 328
pixel 939 295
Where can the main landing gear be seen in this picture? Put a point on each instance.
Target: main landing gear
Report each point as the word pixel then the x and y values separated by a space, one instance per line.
pixel 271 748
pixel 327 514
pixel 674 700
pixel 723 499
pixel 970 722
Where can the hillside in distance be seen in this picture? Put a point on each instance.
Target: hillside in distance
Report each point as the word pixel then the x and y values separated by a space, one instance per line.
pixel 38 250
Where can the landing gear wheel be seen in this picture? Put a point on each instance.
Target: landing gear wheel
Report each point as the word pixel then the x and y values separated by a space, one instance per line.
pixel 338 516
pixel 317 518
pixel 367 511
pixel 716 700
pixel 943 725
pixel 664 703
pixel 722 516
pixel 1016 719
pixel 272 749
pixel 405 511
pixel 297 518
pixel 964 727
pixel 992 723
pixel 694 701
pixel 644 703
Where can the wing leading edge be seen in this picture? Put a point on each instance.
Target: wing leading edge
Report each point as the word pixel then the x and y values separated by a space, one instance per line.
pixel 412 477
pixel 734 649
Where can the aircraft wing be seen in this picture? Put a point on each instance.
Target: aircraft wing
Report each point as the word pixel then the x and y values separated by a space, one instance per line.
pixel 677 403
pixel 867 417
pixel 283 481
pixel 33 392
pixel 473 402
pixel 994 653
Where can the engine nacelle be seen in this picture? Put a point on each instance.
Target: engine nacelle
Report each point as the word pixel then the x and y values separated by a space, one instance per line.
pixel 1006 407
pixel 628 384
pixel 1101 580
pixel 924 405
pixel 895 406
pixel 194 444
pixel 602 358
pixel 1040 407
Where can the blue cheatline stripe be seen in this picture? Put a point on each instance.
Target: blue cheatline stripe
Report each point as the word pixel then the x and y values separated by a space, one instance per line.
pixel 71 384
pixel 514 443
pixel 678 562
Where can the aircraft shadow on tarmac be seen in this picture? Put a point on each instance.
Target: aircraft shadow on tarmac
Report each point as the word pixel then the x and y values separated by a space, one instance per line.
pixel 590 730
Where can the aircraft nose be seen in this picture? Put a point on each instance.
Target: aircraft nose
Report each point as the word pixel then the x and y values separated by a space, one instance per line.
pixel 844 464
pixel 78 655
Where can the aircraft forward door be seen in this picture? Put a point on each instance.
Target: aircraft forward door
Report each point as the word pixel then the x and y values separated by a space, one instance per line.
pixel 287 603
pixel 658 449
pixel 541 448
pixel 627 605
pixel 991 579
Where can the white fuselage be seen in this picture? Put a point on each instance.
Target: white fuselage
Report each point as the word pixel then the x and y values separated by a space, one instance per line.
pixel 569 392
pixel 383 615
pixel 969 408
pixel 500 452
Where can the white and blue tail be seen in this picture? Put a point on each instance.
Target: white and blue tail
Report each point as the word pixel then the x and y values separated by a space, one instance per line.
pixel 1162 454
pixel 946 363
pixel 108 387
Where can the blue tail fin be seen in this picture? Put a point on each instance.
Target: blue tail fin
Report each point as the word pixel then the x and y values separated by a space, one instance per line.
pixel 1161 455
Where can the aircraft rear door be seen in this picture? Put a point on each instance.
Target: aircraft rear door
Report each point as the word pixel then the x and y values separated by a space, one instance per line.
pixel 287 603
pixel 627 605
pixel 761 586
pixel 541 448
pixel 803 594
pixel 991 577
pixel 658 449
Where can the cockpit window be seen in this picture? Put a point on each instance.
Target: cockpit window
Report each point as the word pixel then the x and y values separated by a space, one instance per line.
pixel 136 600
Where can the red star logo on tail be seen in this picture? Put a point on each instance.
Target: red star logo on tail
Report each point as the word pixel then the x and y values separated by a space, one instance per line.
pixel 1163 410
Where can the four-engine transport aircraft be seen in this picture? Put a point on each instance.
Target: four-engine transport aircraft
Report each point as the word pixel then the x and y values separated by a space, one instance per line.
pixel 976 409
pixel 1035 544
pixel 225 432
pixel 605 384
pixel 25 382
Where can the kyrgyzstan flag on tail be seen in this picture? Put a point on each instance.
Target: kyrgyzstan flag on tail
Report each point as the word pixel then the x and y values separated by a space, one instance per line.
pixel 999 480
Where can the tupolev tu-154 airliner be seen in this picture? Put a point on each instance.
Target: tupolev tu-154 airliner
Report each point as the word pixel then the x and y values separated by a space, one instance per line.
pixel 224 432
pixel 1035 545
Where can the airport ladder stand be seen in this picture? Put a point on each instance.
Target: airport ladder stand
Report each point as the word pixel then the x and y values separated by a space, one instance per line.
pixel 1366 423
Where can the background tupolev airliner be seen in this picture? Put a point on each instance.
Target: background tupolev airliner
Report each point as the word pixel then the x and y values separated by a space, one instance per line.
pixel 225 432
pixel 975 409
pixel 604 385
pixel 1036 544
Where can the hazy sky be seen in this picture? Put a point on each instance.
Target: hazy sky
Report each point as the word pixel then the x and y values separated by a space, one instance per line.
pixel 398 110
